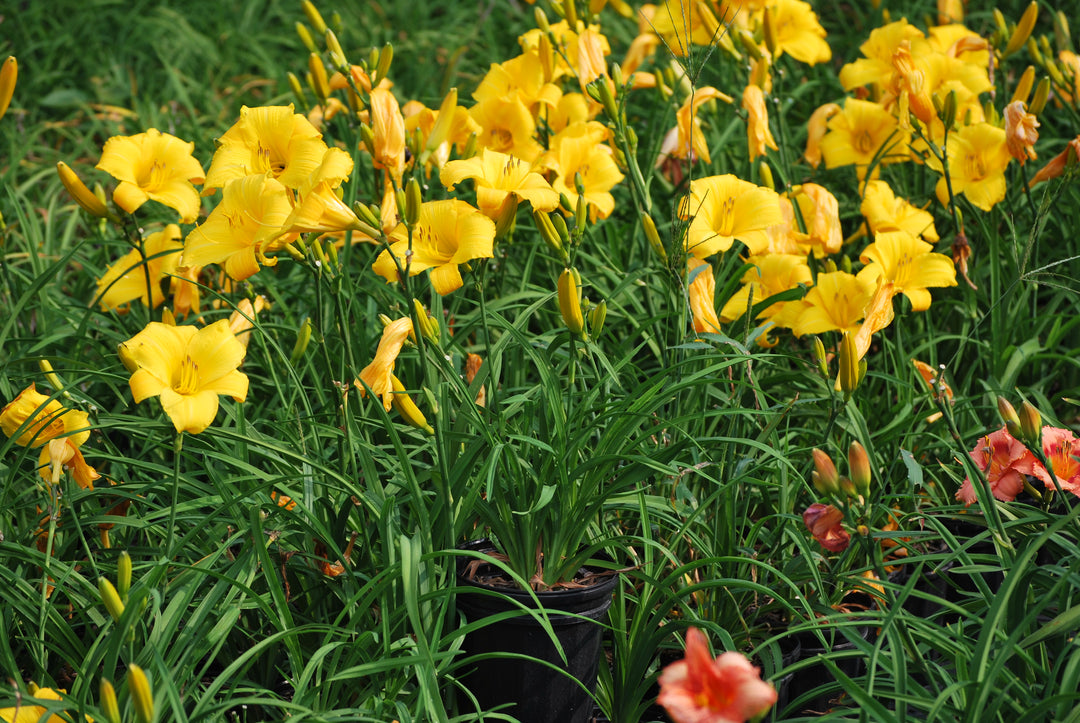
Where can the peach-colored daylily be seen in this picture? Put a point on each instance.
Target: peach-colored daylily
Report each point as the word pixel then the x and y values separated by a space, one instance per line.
pixel 1005 461
pixel 1062 451
pixel 701 689
pixel 1020 133
pixel 825 524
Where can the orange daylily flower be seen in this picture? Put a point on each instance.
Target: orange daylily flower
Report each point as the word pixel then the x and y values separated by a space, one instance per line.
pixel 758 135
pixel 45 422
pixel 702 295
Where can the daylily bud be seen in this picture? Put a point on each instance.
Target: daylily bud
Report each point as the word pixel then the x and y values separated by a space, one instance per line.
pixel 859 468
pixel 1038 101
pixel 78 190
pixel 820 358
pixel 849 365
pixel 597 317
pixel 848 488
pixel 825 478
pixel 549 234
pixel 109 703
pixel 1024 85
pixel 948 111
pixel 653 237
pixel 429 328
pixel 1008 415
pixel 337 55
pixel 47 369
pixel 769 23
pixel 305 37
pixel 541 20
pixel 320 84
pixel 1030 424
pixel 413 201
pixel 407 408
pixel 570 13
pixel 1022 31
pixel 581 215
pixel 298 90
pixel 141 695
pixel 607 99
pixel 747 41
pixel 314 17
pixel 110 598
pixel 303 338
pixel 570 300
pixel 123 575
pixel 507 216
pixel 1061 31
pixel 9 73
pixel 766 176
pixel 386 56
pixel 999 20
pixel 546 55
pixel 560 227
pixel 366 215
pixel 443 121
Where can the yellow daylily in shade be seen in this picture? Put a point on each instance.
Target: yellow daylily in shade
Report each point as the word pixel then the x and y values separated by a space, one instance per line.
pixel 153 166
pixel 579 149
pixel 270 139
pixel 187 368
pixel 837 302
pixel 244 227
pixel 909 263
pixel 702 295
pixel 378 376
pixel 726 208
pixel 758 135
pixel 28 712
pixel 771 274
pixel 799 32
pixel 861 134
pixel 821 213
pixel 506 126
pixel 62 431
pixel 184 287
pixel 126 280
pixel 884 211
pixel 497 176
pixel 448 233
pixel 978 156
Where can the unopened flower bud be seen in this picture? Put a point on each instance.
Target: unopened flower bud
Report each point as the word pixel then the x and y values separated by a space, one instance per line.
pixel 541 20
pixel 850 375
pixel 570 300
pixel 314 16
pixel 826 479
pixel 597 317
pixel 80 193
pixel 407 408
pixel 769 23
pixel 548 233
pixel 305 37
pixel 1024 85
pixel 859 468
pixel 560 227
pixel 298 90
pixel 1022 31
pixel 320 84
pixel 337 55
pixel 1042 93
pixel 1009 416
pixel 110 598
pixel 653 237
pixel 386 56
pixel 303 338
pixel 820 358
pixel 123 575
pixel 141 695
pixel 765 171
pixel 506 217
pixel 848 488
pixel 109 703
pixel 413 201
pixel 443 121
pixel 9 73
pixel 429 327
pixel 1030 424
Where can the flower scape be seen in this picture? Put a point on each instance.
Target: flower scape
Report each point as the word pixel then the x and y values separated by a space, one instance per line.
pixel 762 311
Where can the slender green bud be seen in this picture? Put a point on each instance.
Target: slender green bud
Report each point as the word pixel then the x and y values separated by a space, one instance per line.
pixel 386 56
pixel 366 215
pixel 848 488
pixel 820 359
pixel 653 237
pixel 1033 51
pixel 597 316
pixel 429 327
pixel 849 365
pixel 581 213
pixel 1030 424
pixel 305 37
pixel 413 201
pixel 607 99
pixel 541 20
pixel 297 89
pixel 1061 31
pixel 141 695
pixel 320 83
pixel 549 234
pixel 948 112
pixel 303 338
pixel 123 575
pixel 507 217
pixel 337 55
pixel 109 703
pixel 111 598
pixel 560 227
pixel 769 23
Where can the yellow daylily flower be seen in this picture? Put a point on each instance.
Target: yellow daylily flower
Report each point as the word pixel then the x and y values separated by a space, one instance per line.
pixel 244 227
pixel 837 302
pixel 726 208
pixel 28 712
pixel 909 264
pixel 821 213
pixel 187 368
pixel 506 126
pixel 126 279
pixel 269 139
pixel 497 176
pixel 388 127
pixel 799 32
pixel 758 135
pixel 153 166
pixel 771 274
pixel 861 134
pixel 884 211
pixel 47 422
pixel 579 149
pixel 520 78
pixel 877 64
pixel 978 155
pixel 702 294
pixel 448 233
pixel 241 321
pixel 378 376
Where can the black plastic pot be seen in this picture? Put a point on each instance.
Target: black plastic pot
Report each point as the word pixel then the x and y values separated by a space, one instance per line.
pixel 815 675
pixel 534 692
